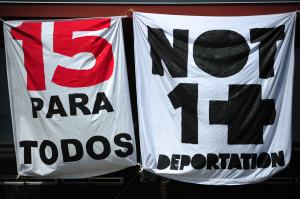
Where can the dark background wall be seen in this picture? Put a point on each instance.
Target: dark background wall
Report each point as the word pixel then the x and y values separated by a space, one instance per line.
pixel 129 183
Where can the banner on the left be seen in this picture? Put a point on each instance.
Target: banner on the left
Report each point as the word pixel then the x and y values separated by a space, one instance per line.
pixel 69 97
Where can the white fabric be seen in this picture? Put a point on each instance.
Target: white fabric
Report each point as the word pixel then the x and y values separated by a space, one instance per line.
pixel 80 127
pixel 160 124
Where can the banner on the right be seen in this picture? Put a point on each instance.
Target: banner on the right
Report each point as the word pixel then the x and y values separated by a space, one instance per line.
pixel 214 95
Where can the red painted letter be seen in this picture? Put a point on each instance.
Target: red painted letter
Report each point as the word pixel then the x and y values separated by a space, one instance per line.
pixel 30 34
pixel 66 45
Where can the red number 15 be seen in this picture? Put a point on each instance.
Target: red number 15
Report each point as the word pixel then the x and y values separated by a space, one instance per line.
pixel 63 43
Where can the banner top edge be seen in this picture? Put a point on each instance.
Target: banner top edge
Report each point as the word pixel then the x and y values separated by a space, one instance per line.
pixel 63 19
pixel 214 16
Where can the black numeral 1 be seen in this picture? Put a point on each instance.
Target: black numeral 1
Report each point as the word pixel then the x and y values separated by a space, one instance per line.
pixel 185 95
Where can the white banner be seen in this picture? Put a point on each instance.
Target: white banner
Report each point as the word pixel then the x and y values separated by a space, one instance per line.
pixel 69 97
pixel 214 95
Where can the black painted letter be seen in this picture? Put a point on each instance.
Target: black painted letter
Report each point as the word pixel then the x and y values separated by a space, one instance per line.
pixel 27 144
pixel 66 153
pixel 37 105
pixel 221 53
pixel 118 141
pixel 267 48
pixel 175 58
